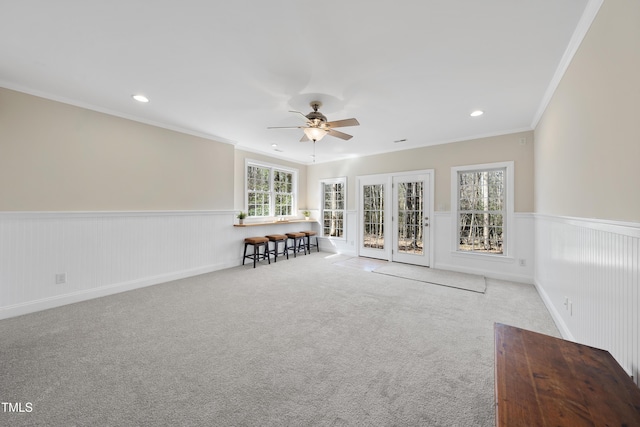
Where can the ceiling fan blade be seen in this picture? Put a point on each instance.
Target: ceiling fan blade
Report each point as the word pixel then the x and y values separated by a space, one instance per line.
pixel 342 123
pixel 339 134
pixel 286 127
pixel 298 112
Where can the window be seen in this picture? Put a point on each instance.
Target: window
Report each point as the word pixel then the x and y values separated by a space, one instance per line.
pixel 333 207
pixel 271 190
pixel 283 189
pixel 482 200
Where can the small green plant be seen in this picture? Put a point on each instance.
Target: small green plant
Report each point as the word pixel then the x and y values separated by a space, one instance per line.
pixel 242 215
pixel 306 214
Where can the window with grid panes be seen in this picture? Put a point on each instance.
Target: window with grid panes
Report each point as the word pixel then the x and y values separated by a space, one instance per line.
pixel 283 190
pixel 270 190
pixel 333 207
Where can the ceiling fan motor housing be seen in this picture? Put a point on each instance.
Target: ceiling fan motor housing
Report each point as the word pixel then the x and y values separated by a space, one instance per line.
pixel 316 117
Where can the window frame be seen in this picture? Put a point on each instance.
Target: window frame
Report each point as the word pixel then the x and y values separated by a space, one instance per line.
pixel 508 228
pixel 272 191
pixel 332 181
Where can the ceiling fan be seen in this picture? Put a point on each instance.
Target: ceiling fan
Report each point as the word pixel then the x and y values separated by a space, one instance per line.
pixel 318 126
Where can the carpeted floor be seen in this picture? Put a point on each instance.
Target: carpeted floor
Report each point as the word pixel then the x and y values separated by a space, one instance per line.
pixel 464 281
pixel 304 342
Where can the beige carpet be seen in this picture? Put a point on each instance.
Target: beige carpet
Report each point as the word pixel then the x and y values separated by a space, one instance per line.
pixel 300 342
pixel 452 279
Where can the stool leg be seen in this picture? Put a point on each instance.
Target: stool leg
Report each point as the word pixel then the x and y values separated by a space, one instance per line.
pixel 286 248
pixel 266 250
pixel 255 255
pixel 244 256
pixel 275 249
pixel 317 247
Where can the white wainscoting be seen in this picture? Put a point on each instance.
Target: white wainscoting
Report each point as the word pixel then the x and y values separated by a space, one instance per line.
pixel 518 266
pixel 103 253
pixel 347 245
pixel 594 267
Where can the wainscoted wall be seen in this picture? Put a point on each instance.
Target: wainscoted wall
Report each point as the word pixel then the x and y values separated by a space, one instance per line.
pixel 518 266
pixel 347 246
pixel 106 252
pixel 588 274
pixel 444 258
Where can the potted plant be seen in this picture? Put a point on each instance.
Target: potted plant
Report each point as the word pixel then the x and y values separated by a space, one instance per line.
pixel 306 214
pixel 241 217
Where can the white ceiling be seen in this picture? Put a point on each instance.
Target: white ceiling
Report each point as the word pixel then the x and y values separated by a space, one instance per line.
pixel 226 70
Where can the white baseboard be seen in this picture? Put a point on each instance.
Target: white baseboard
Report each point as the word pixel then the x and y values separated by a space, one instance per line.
pixel 559 321
pixel 84 295
pixel 336 247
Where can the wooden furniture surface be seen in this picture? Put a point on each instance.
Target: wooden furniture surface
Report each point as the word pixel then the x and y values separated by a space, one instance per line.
pixel 547 381
pixel 255 224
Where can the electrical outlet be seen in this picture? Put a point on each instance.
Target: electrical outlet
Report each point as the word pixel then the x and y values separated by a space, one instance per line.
pixel 522 262
pixel 570 308
pixel 61 278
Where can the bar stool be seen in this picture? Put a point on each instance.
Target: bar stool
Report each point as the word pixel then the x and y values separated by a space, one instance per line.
pixel 309 234
pixel 277 239
pixel 298 242
pixel 257 242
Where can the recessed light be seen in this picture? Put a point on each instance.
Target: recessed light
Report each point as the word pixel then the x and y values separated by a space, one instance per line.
pixel 140 98
pixel 477 113
pixel 274 145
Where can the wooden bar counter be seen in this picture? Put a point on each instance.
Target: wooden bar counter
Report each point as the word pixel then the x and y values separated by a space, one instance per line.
pixel 545 381
pixel 256 224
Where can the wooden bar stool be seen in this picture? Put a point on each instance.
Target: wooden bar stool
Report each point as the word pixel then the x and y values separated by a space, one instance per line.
pixel 277 239
pixel 298 243
pixel 257 242
pixel 309 234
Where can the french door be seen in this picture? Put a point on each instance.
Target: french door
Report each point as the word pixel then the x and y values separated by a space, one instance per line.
pixel 394 213
pixel 410 219
pixel 374 211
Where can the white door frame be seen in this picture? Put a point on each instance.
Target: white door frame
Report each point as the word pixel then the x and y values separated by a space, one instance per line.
pixel 387 179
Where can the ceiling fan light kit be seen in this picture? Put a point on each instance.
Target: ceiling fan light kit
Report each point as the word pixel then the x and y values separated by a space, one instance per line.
pixel 315 134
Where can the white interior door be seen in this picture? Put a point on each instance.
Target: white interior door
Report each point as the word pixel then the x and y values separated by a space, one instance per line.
pixel 410 219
